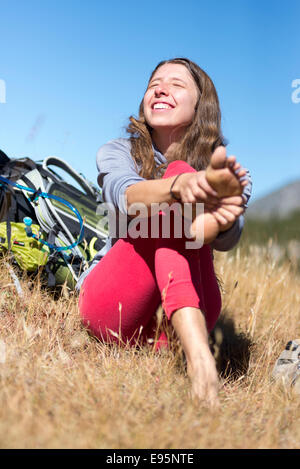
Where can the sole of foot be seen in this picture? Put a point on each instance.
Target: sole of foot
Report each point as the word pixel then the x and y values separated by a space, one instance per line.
pixel 225 175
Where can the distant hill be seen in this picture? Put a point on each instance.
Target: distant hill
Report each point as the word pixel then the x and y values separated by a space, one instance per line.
pixel 278 204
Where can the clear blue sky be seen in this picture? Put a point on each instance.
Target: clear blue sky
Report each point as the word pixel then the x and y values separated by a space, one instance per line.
pixel 74 71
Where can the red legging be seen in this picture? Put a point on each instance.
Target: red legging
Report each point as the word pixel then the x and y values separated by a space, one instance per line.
pixel 124 290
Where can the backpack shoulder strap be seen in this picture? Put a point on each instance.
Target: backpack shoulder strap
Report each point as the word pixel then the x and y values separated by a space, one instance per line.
pixel 55 161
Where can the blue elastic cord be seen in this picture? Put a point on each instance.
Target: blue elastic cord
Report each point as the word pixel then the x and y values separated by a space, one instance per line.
pixel 45 195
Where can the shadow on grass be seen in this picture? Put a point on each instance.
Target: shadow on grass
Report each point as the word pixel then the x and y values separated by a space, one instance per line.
pixel 231 349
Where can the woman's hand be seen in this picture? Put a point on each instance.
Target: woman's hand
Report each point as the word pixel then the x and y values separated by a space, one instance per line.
pixel 193 187
pixel 229 209
pixel 219 213
pixel 206 226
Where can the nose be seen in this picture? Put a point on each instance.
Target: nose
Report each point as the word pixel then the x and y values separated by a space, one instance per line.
pixel 161 89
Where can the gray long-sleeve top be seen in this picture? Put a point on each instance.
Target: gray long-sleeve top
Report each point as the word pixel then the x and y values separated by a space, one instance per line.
pixel 117 171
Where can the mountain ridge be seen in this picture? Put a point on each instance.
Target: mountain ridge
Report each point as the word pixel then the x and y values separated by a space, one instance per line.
pixel 279 203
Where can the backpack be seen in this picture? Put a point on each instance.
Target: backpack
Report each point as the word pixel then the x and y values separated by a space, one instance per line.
pixel 47 222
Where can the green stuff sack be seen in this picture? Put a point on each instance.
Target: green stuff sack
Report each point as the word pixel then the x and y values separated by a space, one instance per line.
pixel 63 274
pixel 28 252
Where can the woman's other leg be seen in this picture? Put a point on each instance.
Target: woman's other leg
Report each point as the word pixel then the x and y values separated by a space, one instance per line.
pixel 186 276
pixel 120 295
pixel 192 301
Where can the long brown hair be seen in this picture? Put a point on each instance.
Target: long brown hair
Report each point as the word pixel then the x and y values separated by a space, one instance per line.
pixel 202 137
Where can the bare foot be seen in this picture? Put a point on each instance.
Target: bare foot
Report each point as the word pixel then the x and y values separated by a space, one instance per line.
pixel 204 381
pixel 221 174
pixel 190 326
pixel 225 176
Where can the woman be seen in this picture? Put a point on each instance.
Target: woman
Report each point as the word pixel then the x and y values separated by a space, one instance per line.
pixel 175 154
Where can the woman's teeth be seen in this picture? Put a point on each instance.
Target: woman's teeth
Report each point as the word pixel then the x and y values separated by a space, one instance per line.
pixel 161 106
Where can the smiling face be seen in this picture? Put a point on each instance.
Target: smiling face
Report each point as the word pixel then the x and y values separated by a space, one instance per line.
pixel 170 99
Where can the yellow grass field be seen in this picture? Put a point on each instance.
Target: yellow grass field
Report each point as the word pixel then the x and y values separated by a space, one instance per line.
pixel 61 388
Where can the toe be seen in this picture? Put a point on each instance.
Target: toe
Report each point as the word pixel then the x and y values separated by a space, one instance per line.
pixel 231 162
pixel 218 158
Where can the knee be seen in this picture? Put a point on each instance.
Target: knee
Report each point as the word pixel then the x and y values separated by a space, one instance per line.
pixel 177 167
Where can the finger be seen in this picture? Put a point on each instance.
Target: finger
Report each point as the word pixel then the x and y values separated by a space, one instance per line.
pixel 204 193
pixel 233 200
pixel 202 196
pixel 228 215
pixel 208 189
pixel 188 196
pixel 222 220
pixel 202 183
pixel 230 211
pixel 236 209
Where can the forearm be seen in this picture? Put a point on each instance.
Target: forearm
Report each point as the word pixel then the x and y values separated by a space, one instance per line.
pixel 185 188
pixel 149 192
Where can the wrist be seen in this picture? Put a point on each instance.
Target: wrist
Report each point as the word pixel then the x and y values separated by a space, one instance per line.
pixel 175 187
pixel 174 192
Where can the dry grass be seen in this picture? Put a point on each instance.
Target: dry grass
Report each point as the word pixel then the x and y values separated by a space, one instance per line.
pixel 60 388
